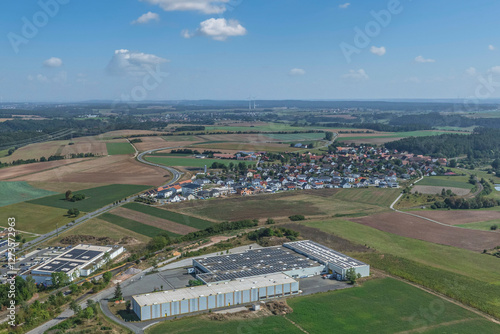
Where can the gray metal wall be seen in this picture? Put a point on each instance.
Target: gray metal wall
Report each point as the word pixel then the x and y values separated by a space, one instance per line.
pixel 204 303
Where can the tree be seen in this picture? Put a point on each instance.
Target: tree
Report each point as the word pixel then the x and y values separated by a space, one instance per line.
pixel 351 275
pixel 496 164
pixel 75 307
pixel 88 313
pixel 118 292
pixel 68 195
pixel 453 163
pixel 59 279
pixel 107 276
pixel 329 136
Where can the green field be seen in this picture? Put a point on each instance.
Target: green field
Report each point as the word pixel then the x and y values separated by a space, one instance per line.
pixel 34 218
pixel 324 202
pixel 16 192
pixel 134 226
pixel 398 135
pixel 192 162
pixel 456 260
pixel 198 223
pixel 378 306
pixel 269 127
pixel 289 137
pixel 484 226
pixel 447 181
pixel 119 148
pixel 96 197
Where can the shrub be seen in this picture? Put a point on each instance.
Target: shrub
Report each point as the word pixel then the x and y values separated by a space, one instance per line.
pixel 297 218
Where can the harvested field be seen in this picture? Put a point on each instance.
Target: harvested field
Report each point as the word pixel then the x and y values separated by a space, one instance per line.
pixel 436 190
pixel 417 228
pixel 17 171
pixel 151 143
pixel 36 151
pixel 457 217
pixel 62 187
pixel 118 169
pixel 246 146
pixel 369 140
pixel 125 133
pixel 85 145
pixel 153 221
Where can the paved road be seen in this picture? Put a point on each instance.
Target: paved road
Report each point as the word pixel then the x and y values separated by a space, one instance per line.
pixel 175 173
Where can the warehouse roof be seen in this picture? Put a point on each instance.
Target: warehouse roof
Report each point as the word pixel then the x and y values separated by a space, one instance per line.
pixel 324 254
pixel 255 262
pixel 212 289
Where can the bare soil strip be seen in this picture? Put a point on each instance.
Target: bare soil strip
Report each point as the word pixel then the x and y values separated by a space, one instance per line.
pixel 153 221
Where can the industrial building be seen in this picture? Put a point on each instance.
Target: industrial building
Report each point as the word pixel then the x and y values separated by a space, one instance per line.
pixel 334 262
pixel 81 260
pixel 242 278
pixel 212 296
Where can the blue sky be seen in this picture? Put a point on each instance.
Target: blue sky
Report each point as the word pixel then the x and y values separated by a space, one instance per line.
pixel 233 49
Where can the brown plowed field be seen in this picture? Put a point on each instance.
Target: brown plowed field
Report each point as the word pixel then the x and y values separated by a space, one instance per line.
pixel 118 169
pixel 153 221
pixel 457 217
pixel 417 228
pixel 17 171
pixel 85 145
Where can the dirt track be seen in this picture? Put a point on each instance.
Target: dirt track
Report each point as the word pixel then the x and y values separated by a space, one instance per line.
pixel 417 228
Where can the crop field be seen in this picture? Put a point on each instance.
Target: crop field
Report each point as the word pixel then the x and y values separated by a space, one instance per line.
pixel 34 218
pixel 483 226
pixel 134 226
pixel 456 217
pixel 389 306
pixel 124 133
pixel 290 137
pixel 85 145
pixel 418 228
pixel 447 181
pixel 18 171
pixel 435 190
pixel 96 197
pixel 15 192
pixel 143 218
pixel 97 227
pixel 264 127
pixel 175 217
pixel 118 169
pixel 456 260
pixel 181 138
pixel 36 151
pixel 384 137
pixel 246 146
pixel 119 148
pixel 311 203
pixel 192 162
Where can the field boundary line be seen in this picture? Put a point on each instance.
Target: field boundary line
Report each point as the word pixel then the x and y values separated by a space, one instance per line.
pixel 296 325
pixel 422 329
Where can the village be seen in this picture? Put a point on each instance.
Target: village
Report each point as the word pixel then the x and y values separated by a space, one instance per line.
pixel 349 167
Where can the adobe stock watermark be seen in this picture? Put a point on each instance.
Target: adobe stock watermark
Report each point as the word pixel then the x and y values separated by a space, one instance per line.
pixel 150 82
pixel 31 26
pixel 363 37
pixel 485 89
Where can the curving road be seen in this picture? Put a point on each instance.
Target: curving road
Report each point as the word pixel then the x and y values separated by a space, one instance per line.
pixel 176 175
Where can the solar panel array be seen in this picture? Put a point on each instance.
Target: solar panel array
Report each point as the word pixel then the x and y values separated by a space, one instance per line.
pixel 324 254
pixel 256 262
pixel 60 266
pixel 81 254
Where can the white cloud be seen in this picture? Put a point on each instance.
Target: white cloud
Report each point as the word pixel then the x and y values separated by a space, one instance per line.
pixel 146 18
pixel 217 29
pixel 125 62
pixel 345 5
pixel 53 62
pixel 421 59
pixel 378 51
pixel 494 70
pixel 356 75
pixel 471 71
pixel 204 6
pixel 491 47
pixel 297 71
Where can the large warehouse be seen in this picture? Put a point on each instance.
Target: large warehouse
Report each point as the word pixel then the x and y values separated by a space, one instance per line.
pixel 81 260
pixel 256 274
pixel 212 296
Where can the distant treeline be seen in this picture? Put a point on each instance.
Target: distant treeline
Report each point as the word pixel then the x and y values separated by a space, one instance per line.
pixel 483 143
pixel 438 119
pixel 380 126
